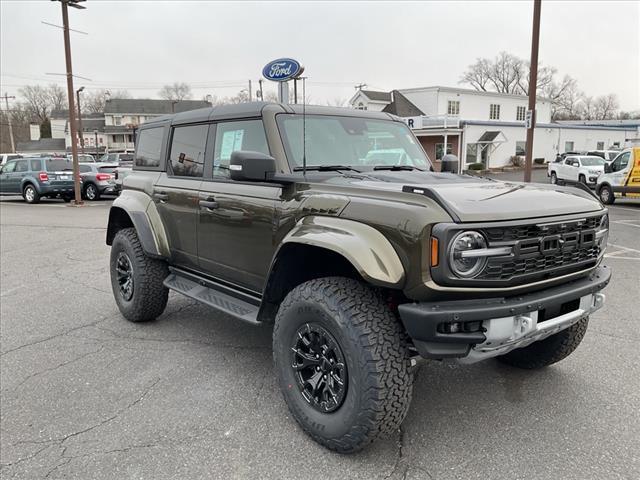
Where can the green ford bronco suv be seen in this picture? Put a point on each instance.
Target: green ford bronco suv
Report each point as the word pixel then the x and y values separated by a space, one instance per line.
pixel 331 224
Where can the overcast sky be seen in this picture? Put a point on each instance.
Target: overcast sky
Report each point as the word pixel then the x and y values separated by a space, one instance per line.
pixel 217 46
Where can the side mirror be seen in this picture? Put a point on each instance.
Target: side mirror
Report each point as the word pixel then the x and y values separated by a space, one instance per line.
pixel 246 166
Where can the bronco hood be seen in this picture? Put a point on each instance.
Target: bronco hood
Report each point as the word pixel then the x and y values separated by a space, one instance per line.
pixel 473 199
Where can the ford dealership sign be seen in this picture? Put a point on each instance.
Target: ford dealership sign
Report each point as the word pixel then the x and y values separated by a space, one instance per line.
pixel 282 70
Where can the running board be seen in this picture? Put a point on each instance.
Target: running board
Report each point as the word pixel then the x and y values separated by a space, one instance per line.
pixel 204 293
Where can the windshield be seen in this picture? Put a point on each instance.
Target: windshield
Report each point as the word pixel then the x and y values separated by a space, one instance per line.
pixel 361 143
pixel 592 161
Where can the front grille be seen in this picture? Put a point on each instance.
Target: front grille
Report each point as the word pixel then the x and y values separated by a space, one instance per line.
pixel 531 231
pixel 498 269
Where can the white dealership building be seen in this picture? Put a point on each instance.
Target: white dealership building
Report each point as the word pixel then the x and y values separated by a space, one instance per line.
pixel 489 127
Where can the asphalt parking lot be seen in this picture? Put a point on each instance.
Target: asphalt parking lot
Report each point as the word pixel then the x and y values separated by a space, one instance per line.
pixel 85 394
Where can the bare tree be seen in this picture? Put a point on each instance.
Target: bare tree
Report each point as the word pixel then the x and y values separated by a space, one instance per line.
pixel 477 75
pixel 588 108
pixel 58 97
pixel 38 101
pixel 606 107
pixel 338 102
pixel 176 91
pixel 94 102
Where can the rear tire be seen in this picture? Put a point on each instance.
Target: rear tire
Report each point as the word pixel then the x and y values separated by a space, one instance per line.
pixel 548 351
pixel 136 279
pixel 91 192
pixel 606 195
pixel 30 194
pixel 362 331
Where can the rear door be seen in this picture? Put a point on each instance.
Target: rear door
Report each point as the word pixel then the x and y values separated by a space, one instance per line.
pixel 176 192
pixel 236 219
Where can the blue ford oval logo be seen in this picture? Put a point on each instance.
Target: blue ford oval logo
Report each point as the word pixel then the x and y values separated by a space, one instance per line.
pixel 281 70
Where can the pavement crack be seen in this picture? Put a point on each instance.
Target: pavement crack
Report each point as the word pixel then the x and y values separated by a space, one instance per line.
pixel 63 364
pixel 399 467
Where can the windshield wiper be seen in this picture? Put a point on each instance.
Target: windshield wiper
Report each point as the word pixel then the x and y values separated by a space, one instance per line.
pixel 326 168
pixel 396 167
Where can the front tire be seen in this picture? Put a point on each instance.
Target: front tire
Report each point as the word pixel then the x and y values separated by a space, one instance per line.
pixel 342 363
pixel 606 195
pixel 136 279
pixel 30 194
pixel 548 351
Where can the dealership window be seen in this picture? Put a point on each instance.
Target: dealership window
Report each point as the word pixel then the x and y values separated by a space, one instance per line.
pixel 520 148
pixel 521 112
pixel 118 138
pixel 439 148
pixel 233 136
pixel 494 111
pixel 187 150
pixel 453 107
pixel 149 147
pixel 600 146
pixel 568 146
pixel 472 150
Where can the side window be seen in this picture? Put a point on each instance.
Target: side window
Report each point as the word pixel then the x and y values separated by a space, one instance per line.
pixel 624 161
pixel 9 167
pixel 84 168
pixel 232 136
pixel 149 147
pixel 113 157
pixel 36 165
pixel 568 161
pixel 187 150
pixel 22 166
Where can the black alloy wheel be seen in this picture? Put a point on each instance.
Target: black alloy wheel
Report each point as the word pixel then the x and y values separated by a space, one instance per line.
pixel 124 271
pixel 319 368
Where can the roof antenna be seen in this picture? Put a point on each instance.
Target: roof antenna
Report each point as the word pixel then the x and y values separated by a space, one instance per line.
pixel 304 127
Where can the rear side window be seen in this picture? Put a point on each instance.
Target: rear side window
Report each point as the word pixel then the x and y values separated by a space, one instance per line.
pixel 22 166
pixel 36 165
pixel 58 165
pixel 149 147
pixel 187 150
pixel 233 136
pixel 85 168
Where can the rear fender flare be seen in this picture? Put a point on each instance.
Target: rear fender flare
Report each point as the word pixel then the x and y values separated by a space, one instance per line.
pixel 144 216
pixel 368 250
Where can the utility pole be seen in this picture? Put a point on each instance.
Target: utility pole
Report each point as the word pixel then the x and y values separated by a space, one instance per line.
pixel 533 80
pixel 72 107
pixel 81 132
pixel 360 86
pixel 6 100
pixel 249 90
pixel 260 88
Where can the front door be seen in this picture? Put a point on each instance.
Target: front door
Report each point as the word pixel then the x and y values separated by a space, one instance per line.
pixel 176 192
pixel 237 220
pixel 6 175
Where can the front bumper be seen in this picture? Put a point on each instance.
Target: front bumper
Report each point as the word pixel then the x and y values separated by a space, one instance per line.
pixel 473 330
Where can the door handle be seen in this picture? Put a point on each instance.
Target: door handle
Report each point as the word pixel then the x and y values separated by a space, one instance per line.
pixel 161 196
pixel 209 204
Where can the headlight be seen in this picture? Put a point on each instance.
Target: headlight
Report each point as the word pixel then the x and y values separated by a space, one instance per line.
pixel 461 258
pixel 603 232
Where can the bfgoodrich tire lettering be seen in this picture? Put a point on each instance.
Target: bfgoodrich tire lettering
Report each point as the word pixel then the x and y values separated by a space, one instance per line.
pixel 149 297
pixel 379 381
pixel 548 351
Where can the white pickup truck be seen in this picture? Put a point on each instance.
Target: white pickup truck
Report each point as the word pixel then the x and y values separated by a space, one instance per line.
pixel 576 168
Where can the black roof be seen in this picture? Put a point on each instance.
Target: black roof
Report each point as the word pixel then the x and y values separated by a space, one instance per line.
pixel 402 106
pixel 151 106
pixel 257 109
pixel 489 136
pixel 377 96
pixel 44 144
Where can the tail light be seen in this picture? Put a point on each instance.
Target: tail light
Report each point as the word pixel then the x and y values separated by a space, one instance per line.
pixel 103 176
pixel 43 177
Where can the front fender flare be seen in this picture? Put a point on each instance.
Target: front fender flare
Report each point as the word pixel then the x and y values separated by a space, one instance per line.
pixel 144 215
pixel 371 254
